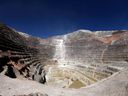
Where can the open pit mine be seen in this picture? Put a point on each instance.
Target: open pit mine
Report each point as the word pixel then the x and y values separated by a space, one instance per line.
pixel 81 63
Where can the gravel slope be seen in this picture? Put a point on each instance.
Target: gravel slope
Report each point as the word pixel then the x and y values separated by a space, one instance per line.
pixel 116 85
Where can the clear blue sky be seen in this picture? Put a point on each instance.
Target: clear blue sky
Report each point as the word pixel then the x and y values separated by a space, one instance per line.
pixel 46 18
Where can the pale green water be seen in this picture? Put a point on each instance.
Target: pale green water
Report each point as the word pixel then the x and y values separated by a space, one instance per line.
pixel 77 84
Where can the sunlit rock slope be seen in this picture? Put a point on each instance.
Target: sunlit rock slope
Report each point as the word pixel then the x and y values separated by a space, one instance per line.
pixel 80 63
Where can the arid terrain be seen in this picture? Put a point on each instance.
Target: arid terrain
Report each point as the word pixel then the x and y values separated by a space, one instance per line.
pixel 81 63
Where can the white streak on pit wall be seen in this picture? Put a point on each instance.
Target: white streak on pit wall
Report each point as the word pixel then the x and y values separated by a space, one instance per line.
pixel 49 72
pixel 59 50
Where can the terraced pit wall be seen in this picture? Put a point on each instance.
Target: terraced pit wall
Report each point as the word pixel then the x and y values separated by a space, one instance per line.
pixel 20 56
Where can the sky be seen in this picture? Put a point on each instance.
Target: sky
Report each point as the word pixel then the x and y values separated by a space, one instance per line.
pixel 45 18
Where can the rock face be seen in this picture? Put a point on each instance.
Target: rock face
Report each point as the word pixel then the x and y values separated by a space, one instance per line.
pixel 116 85
pixel 88 46
pixel 20 56
pixel 72 60
pixel 85 57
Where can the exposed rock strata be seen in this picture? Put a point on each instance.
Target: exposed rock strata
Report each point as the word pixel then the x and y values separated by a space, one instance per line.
pixel 73 60
pixel 19 56
pixel 116 85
